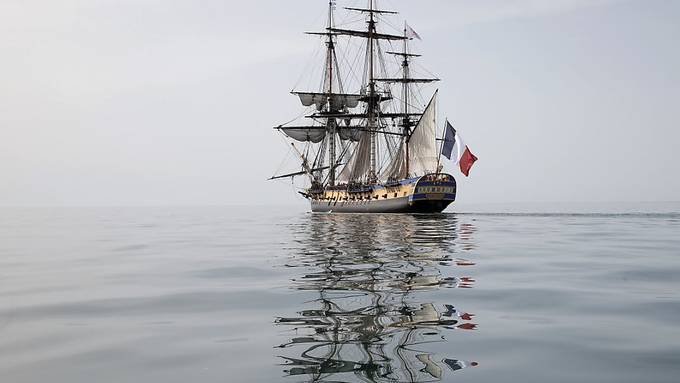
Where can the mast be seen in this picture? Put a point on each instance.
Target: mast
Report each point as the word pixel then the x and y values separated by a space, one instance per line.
pixel 407 120
pixel 407 124
pixel 372 95
pixel 333 104
pixel 330 122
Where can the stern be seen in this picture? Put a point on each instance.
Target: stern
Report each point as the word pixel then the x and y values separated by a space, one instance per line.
pixel 433 193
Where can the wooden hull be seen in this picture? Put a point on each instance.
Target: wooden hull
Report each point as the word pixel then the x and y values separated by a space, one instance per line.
pixel 395 205
pixel 418 195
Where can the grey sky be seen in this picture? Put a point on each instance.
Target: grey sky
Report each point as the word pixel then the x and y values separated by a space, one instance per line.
pixel 148 102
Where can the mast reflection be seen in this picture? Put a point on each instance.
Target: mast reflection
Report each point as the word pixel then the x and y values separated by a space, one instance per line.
pixel 368 323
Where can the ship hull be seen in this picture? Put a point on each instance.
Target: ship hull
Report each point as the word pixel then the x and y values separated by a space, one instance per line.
pixel 428 194
pixel 395 205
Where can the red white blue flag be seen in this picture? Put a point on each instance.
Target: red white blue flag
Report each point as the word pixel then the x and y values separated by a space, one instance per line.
pixel 454 149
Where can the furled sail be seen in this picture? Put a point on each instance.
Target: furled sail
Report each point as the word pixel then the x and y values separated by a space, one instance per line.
pixel 313 134
pixel 338 101
pixel 351 134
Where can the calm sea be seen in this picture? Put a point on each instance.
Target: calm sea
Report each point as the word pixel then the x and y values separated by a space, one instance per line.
pixel 499 293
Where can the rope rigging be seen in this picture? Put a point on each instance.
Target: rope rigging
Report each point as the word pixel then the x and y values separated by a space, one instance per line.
pixel 342 131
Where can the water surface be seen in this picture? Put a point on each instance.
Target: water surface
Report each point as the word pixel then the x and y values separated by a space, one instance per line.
pixel 262 294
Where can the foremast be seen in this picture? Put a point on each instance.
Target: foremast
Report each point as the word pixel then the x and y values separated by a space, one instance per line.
pixel 331 61
pixel 329 102
pixel 330 66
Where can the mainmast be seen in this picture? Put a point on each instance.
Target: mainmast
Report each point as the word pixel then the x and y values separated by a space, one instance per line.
pixel 373 96
pixel 373 99
pixel 372 102
pixel 330 122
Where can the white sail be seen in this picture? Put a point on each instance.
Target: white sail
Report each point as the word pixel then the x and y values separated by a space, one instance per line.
pixel 423 151
pixel 338 101
pixel 359 163
pixel 397 168
pixel 311 134
pixel 351 134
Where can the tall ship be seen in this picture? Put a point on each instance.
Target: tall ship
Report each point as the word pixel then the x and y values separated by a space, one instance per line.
pixel 368 141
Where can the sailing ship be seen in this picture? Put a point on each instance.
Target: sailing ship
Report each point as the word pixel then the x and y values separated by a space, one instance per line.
pixel 374 150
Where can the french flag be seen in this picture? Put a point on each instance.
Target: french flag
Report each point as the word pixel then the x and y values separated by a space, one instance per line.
pixel 454 148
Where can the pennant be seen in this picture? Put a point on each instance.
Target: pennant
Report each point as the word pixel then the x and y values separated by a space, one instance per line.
pixel 410 32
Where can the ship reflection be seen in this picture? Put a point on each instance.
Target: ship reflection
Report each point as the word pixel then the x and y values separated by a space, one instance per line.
pixel 367 322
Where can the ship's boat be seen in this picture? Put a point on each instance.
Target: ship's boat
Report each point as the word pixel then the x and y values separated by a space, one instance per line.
pixel 375 149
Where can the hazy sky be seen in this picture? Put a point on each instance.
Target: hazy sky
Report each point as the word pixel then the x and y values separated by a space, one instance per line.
pixel 157 102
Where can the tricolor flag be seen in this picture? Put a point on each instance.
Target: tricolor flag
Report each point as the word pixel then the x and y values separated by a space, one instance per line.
pixel 454 148
pixel 410 32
